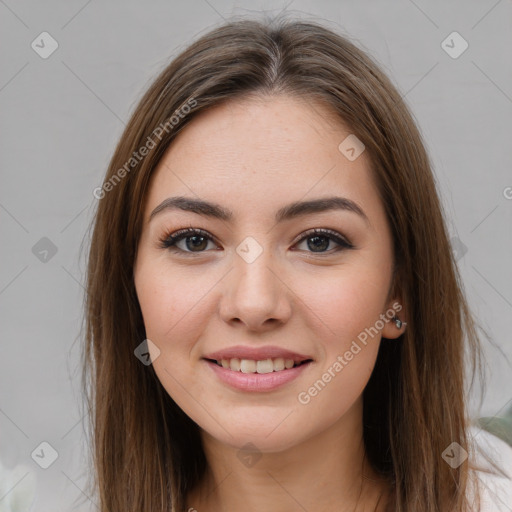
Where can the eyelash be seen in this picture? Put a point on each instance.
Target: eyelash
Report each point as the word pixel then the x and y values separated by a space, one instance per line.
pixel 169 241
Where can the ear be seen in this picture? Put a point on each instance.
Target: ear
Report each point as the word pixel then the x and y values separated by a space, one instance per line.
pixel 395 310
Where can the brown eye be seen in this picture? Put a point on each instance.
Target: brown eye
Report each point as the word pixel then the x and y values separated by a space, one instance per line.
pixel 318 241
pixel 195 240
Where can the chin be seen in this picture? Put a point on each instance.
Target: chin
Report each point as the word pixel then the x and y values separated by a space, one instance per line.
pixel 271 433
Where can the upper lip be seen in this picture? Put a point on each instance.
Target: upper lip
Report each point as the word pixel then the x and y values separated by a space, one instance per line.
pixel 257 353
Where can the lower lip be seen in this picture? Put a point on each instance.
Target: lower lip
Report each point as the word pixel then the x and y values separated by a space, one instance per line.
pixel 257 381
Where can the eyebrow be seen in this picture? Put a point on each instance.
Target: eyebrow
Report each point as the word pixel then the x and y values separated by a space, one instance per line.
pixel 288 212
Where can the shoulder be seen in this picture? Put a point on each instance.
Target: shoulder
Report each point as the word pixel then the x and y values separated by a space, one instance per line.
pixel 491 462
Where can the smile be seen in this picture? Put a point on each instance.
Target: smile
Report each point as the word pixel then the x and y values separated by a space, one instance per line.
pixel 255 375
pixel 258 366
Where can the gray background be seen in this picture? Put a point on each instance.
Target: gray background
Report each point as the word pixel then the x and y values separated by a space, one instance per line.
pixel 62 116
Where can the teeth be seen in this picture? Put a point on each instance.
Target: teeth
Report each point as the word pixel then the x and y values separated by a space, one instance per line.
pixel 235 364
pixel 247 366
pixel 263 366
pixel 279 364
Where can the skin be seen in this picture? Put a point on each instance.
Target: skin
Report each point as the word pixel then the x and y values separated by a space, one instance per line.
pixel 255 156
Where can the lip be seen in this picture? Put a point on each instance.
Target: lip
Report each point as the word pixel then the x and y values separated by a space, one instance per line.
pixel 256 382
pixel 257 354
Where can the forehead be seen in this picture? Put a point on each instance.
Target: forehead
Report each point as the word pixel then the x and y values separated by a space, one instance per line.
pixel 280 127
pixel 262 151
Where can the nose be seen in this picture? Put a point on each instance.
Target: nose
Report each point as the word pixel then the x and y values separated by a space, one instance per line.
pixel 256 294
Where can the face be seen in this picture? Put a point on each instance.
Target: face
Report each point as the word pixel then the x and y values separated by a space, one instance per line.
pixel 259 284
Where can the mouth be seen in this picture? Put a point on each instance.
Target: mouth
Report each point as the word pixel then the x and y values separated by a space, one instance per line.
pixel 257 369
pixel 259 366
pixel 257 375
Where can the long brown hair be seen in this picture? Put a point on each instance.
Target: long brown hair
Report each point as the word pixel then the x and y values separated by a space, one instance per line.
pixel 147 453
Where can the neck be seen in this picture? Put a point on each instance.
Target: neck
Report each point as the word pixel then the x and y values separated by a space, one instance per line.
pixel 327 472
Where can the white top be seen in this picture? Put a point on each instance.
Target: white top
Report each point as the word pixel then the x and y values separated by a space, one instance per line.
pixel 495 489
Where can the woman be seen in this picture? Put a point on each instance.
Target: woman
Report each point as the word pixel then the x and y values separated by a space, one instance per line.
pixel 274 316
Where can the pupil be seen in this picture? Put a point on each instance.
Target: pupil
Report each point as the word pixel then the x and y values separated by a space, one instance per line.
pixel 195 244
pixel 318 242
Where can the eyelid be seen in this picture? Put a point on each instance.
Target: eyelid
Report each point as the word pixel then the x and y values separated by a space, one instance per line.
pixel 339 238
pixel 169 240
pixel 183 233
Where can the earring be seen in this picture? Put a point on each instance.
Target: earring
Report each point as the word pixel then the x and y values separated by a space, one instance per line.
pixel 398 322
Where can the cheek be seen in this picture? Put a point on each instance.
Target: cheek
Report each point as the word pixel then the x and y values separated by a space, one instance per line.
pixel 172 304
pixel 348 308
pixel 344 303
pixel 344 311
pixel 173 308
